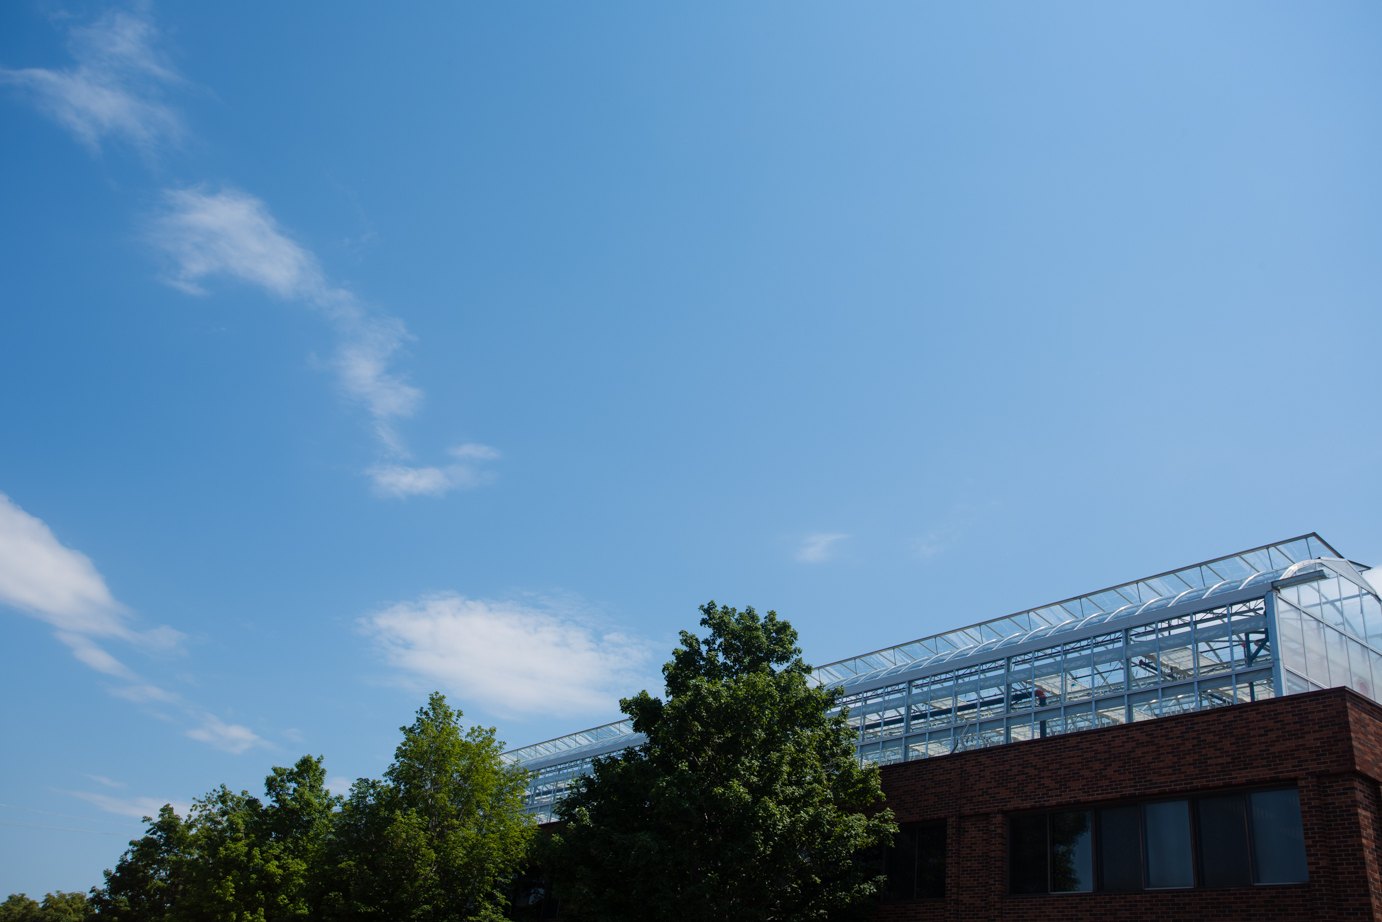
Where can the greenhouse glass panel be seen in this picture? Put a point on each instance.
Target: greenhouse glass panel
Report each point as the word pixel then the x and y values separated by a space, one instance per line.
pixel 1109 665
pixel 1078 666
pixel 1047 677
pixel 1022 694
pixel 1175 649
pixel 1142 657
pixel 1110 712
pixel 1145 705
pixel 1213 642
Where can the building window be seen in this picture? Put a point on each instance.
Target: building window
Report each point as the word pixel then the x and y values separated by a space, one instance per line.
pixel 1221 840
pixel 915 864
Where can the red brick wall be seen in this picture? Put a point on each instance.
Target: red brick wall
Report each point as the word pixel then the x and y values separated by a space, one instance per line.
pixel 1328 742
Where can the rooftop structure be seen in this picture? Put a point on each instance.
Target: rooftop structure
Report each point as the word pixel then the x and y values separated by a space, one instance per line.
pixel 1278 619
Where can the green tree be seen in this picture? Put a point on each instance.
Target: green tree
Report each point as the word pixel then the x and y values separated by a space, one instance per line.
pixel 440 838
pixel 56 907
pixel 746 802
pixel 235 859
pixel 147 880
pixel 257 861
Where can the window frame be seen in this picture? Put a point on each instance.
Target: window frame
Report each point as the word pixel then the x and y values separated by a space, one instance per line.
pixel 1192 800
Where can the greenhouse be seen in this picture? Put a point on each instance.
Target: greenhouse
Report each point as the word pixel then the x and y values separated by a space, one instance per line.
pixel 1275 620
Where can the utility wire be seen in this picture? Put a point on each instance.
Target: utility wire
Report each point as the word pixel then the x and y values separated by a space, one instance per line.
pixel 68 816
pixel 95 832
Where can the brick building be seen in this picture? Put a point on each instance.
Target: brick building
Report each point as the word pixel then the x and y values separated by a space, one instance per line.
pixel 1199 744
pixel 970 808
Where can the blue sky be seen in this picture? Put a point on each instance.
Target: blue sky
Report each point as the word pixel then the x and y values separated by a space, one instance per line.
pixel 349 351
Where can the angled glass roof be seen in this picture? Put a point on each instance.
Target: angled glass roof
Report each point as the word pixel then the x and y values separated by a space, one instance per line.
pixel 1204 580
pixel 571 742
pixel 1220 575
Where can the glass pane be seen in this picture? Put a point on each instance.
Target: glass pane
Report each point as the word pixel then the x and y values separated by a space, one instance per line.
pixel 1360 669
pixel 1027 855
pixel 1255 686
pixel 1079 718
pixel 1110 712
pixel 1109 676
pixel 1296 685
pixel 1048 723
pixel 1167 844
pixel 916 748
pixel 1142 664
pixel 939 708
pixel 1178 700
pixel 1288 630
pixel 1213 642
pixel 1251 646
pixel 1021 697
pixel 1120 848
pixel 1145 706
pixel 1079 668
pixel 1175 648
pixel 902 866
pixel 1278 842
pixel 1072 852
pixel 1372 618
pixel 1047 678
pixel 1224 841
pixel 892 752
pixel 1216 693
pixel 1020 728
pixel 967 694
pixel 993 690
pixel 873 718
pixel 1316 659
pixel 1337 646
pixel 931 862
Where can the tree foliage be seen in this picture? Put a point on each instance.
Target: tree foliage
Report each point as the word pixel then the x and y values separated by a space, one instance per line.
pixel 437 840
pixel 440 837
pixel 746 803
pixel 56 907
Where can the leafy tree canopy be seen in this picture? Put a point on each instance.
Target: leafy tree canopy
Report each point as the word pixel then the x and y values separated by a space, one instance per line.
pixel 437 840
pixel 441 837
pixel 56 907
pixel 746 803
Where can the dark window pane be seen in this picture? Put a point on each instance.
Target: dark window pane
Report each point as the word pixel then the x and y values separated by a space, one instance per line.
pixel 1224 841
pixel 1027 861
pixel 1166 827
pixel 931 862
pixel 1072 852
pixel 902 866
pixel 1278 842
pixel 1120 848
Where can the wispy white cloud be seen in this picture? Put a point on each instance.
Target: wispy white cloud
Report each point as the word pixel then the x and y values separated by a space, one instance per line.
pixel 231 234
pixel 61 586
pixel 137 807
pixel 818 548
pixel 401 480
pixel 45 579
pixel 514 659
pixel 338 784
pixel 114 88
pixel 102 779
pixel 229 737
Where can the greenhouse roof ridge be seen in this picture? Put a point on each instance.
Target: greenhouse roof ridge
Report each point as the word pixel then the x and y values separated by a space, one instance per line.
pixel 1242 564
